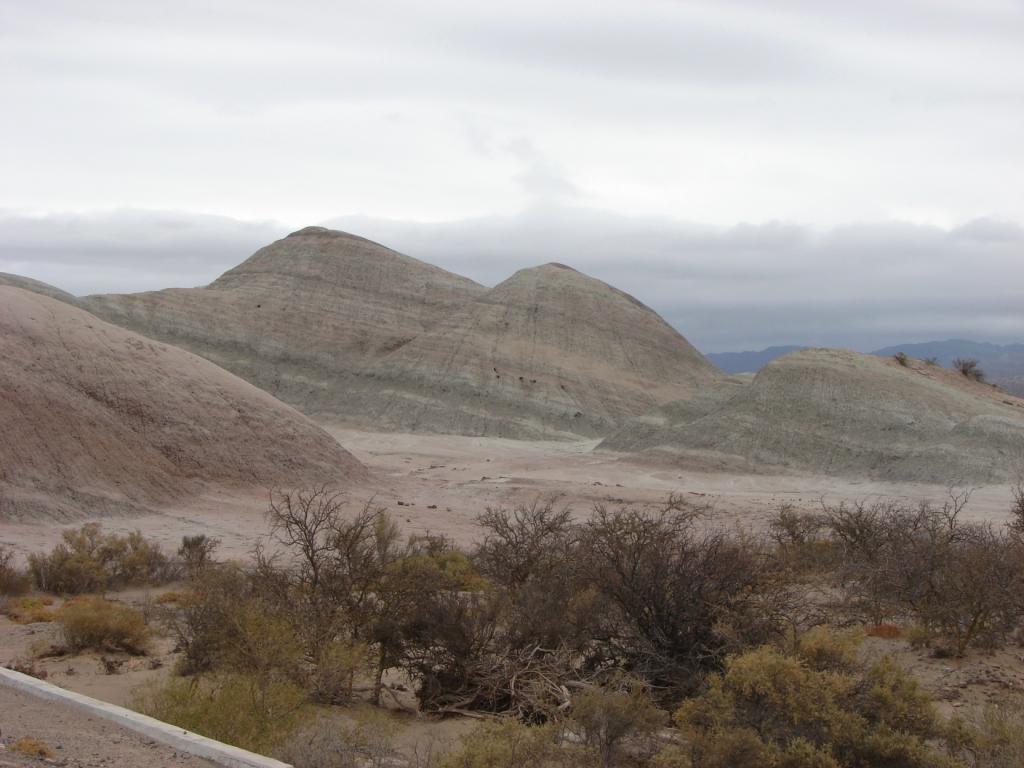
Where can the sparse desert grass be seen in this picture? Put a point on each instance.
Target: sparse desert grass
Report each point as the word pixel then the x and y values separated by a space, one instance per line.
pixel 28 667
pixel 29 610
pixel 35 748
pixel 368 742
pixel 990 738
pixel 510 744
pixel 95 623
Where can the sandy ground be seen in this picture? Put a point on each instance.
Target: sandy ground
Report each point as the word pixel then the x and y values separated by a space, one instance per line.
pixel 79 740
pixel 439 483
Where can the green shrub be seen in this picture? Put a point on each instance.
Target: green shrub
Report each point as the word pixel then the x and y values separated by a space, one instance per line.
pixel 771 709
pixel 92 622
pixel 243 710
pixel 88 560
pixel 824 649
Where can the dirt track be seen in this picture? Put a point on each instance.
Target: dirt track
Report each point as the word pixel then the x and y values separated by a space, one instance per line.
pixel 78 740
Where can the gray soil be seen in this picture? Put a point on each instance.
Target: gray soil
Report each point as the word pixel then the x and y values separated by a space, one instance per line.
pixel 78 739
pixel 99 420
pixel 841 413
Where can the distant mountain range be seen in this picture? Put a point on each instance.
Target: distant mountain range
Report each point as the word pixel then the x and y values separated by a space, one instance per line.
pixel 1003 364
pixel 750 361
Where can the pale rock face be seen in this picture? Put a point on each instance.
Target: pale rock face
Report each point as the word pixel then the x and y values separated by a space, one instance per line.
pixel 301 317
pixel 100 420
pixel 549 352
pixel 352 332
pixel 845 413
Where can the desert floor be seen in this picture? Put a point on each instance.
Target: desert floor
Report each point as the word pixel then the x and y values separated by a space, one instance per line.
pixel 439 484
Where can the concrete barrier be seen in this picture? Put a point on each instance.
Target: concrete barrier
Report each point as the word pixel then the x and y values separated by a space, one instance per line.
pixel 172 736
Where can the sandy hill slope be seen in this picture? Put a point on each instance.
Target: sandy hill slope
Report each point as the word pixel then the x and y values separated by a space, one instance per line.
pixel 97 419
pixel 301 317
pixel 549 352
pixel 349 331
pixel 845 413
pixel 1003 364
pixel 37 286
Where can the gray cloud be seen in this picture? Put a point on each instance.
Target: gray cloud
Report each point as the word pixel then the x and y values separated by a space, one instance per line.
pixel 127 250
pixel 715 110
pixel 862 286
pixel 626 141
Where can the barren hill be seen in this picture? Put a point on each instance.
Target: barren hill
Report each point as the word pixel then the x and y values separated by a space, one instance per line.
pixel 350 331
pixel 100 420
pixel 548 352
pixel 37 286
pixel 300 317
pixel 845 413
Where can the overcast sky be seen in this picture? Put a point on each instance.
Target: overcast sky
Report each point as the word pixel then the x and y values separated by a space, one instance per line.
pixel 783 171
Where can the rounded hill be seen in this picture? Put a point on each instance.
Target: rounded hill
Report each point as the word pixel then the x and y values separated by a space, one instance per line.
pixel 100 420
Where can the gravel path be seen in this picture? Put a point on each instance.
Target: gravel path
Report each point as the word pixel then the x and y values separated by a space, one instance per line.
pixel 79 740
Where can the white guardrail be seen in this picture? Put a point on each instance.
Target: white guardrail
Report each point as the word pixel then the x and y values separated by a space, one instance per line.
pixel 164 733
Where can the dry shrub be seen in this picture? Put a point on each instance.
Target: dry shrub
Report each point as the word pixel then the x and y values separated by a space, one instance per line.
pixel 199 621
pixel 960 581
pixel 1016 524
pixel 803 547
pixel 29 610
pixel 333 669
pixel 969 368
pixel 605 717
pixel 902 359
pixel 13 580
pixel 34 748
pixel 366 743
pixel 89 560
pixel 992 737
pixel 196 553
pixel 243 710
pixel 683 598
pixel 172 596
pixel 102 625
pixel 510 744
pixel 28 667
pixel 826 649
pixel 885 631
